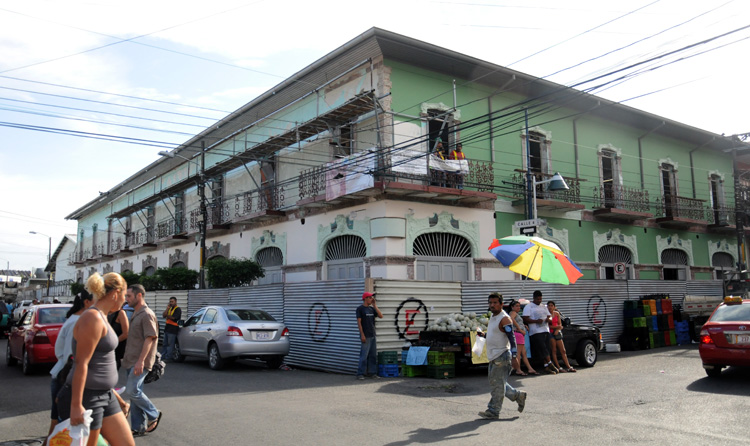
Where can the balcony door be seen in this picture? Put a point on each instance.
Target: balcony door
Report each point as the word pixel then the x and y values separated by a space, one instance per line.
pixel 669 189
pixel 610 174
pixel 717 201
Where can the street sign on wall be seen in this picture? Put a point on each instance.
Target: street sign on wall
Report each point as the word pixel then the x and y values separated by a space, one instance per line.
pixel 529 223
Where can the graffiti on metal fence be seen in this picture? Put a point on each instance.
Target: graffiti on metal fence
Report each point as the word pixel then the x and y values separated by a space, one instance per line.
pixel 597 311
pixel 409 317
pixel 318 322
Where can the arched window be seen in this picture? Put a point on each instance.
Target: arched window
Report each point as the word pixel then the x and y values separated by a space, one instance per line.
pixel 150 271
pixel 609 256
pixel 271 259
pixel 179 265
pixel 675 263
pixel 442 257
pixel 722 262
pixel 344 257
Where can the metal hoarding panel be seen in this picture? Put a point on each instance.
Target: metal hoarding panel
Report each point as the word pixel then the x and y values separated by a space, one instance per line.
pixel 158 300
pixel 269 298
pixel 705 288
pixel 322 322
pixel 408 307
pixel 198 299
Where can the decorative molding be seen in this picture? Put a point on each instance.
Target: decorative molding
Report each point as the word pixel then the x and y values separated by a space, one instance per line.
pixel 668 160
pixel 674 242
pixel 107 268
pixel 722 246
pixel 126 265
pixel 343 225
pixel 269 239
pixel 391 260
pixel 441 223
pixel 92 271
pixel 217 249
pixel 177 257
pixel 149 261
pixel 426 106
pixel 615 237
pixel 602 147
pixel 536 129
pixel 711 173
pixel 556 236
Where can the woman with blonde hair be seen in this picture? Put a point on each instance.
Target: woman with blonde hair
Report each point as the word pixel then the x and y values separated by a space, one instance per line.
pixel 94 373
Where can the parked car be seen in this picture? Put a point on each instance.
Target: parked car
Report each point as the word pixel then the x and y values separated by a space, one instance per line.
pixel 32 339
pixel 5 319
pixel 224 334
pixel 19 310
pixel 725 337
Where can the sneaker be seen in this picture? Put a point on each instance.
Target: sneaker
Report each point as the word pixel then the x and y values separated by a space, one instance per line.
pixel 360 377
pixel 521 400
pixel 550 370
pixel 487 415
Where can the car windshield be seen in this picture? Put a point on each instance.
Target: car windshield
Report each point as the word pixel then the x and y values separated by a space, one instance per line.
pixel 732 313
pixel 248 315
pixel 52 315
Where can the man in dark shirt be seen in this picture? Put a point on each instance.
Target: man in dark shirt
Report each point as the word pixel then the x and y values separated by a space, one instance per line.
pixel 172 315
pixel 368 359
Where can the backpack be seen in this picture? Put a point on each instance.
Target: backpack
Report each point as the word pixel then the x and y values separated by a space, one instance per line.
pixel 157 370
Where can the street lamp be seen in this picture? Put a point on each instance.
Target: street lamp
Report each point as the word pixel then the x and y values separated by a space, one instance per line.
pixel 49 255
pixel 556 183
pixel 204 213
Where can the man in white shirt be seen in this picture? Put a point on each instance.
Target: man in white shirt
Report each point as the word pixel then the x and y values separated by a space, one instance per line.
pixel 537 317
pixel 501 349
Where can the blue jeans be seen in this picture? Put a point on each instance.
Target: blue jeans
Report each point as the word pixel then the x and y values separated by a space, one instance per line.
pixel 167 349
pixel 142 410
pixel 498 373
pixel 368 358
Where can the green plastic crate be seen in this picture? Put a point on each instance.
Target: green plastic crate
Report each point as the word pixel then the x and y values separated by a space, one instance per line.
pixel 441 371
pixel 440 358
pixel 412 371
pixel 389 357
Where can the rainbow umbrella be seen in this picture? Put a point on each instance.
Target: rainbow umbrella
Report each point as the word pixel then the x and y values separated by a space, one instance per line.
pixel 535 258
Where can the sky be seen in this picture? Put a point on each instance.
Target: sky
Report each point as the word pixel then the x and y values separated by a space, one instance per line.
pixel 92 90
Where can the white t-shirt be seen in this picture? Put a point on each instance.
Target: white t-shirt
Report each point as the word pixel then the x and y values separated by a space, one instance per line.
pixel 64 344
pixel 534 311
pixel 497 340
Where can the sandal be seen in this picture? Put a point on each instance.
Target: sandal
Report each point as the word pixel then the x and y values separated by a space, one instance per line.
pixel 153 424
pixel 562 370
pixel 533 372
pixel 521 373
pixel 572 370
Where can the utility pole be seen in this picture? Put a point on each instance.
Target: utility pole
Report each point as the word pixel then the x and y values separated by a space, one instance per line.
pixel 739 215
pixel 204 216
pixel 529 174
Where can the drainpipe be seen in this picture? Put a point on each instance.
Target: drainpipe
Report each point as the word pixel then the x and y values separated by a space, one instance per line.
pixel 640 150
pixel 575 143
pixel 692 171
pixel 492 136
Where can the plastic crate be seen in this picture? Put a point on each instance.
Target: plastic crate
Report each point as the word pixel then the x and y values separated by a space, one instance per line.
pixel 646 309
pixel 441 371
pixel 667 339
pixel 639 322
pixel 666 306
pixel 388 370
pixel 630 304
pixel 440 358
pixel 412 371
pixel 389 357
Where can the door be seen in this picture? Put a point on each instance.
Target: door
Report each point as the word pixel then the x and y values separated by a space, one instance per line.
pixel 717 201
pixel 669 190
pixel 18 334
pixel 187 333
pixel 610 182
pixel 206 331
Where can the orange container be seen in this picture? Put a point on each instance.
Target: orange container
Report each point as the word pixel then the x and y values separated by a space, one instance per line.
pixel 652 306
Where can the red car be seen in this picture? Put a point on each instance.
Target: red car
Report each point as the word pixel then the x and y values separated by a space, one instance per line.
pixel 725 338
pixel 32 339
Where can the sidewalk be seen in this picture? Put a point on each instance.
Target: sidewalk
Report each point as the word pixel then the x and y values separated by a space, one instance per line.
pixel 36 442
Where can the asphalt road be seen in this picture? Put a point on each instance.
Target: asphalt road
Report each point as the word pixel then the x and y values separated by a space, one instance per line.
pixel 659 397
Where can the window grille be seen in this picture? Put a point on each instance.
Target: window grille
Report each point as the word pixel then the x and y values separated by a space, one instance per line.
pixel 440 244
pixel 615 254
pixel 346 247
pixel 674 257
pixel 722 260
pixel 270 257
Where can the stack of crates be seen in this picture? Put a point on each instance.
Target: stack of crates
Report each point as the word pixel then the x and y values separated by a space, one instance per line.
pixel 682 332
pixel 388 364
pixel 636 329
pixel 659 319
pixel 441 365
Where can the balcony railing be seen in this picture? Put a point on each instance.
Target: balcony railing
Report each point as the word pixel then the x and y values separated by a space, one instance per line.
pixel 170 228
pixel 141 237
pixel 681 208
pixel 572 195
pixel 621 197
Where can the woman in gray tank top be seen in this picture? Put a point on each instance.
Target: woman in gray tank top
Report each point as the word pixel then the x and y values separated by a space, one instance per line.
pixel 94 373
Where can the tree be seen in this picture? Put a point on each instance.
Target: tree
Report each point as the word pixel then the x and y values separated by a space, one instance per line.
pixel 177 278
pixel 130 277
pixel 229 273
pixel 76 288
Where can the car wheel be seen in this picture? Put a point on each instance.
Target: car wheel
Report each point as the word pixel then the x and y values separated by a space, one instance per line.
pixel 10 361
pixel 274 362
pixel 26 366
pixel 214 357
pixel 586 353
pixel 178 356
pixel 714 372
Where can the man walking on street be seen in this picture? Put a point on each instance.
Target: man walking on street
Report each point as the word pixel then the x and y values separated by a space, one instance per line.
pixel 537 317
pixel 368 359
pixel 139 357
pixel 172 315
pixel 501 350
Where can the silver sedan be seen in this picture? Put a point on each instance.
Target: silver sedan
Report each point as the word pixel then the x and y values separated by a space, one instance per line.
pixel 223 334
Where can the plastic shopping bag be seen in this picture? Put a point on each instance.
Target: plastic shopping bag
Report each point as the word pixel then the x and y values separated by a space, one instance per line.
pixel 478 347
pixel 66 435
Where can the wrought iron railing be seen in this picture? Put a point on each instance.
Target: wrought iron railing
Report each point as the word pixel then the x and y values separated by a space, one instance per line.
pixel 312 182
pixel 170 227
pixel 140 237
pixel 680 207
pixel 621 197
pixel 572 195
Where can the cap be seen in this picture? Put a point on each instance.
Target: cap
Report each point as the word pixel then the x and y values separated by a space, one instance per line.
pixel 366 295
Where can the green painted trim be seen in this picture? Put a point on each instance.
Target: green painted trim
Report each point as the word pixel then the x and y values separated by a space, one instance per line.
pixel 343 225
pixel 445 223
pixel 269 239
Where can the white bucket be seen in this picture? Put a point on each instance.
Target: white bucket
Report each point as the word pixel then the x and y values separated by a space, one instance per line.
pixel 612 348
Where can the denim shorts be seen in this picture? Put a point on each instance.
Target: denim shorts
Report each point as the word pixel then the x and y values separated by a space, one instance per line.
pixel 101 402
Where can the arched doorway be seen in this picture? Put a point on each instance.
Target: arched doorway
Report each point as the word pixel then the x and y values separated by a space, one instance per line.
pixel 442 257
pixel 609 256
pixel 271 259
pixel 345 258
pixel 675 263
pixel 722 263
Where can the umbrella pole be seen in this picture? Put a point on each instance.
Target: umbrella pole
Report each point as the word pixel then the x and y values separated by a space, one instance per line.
pixel 523 282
